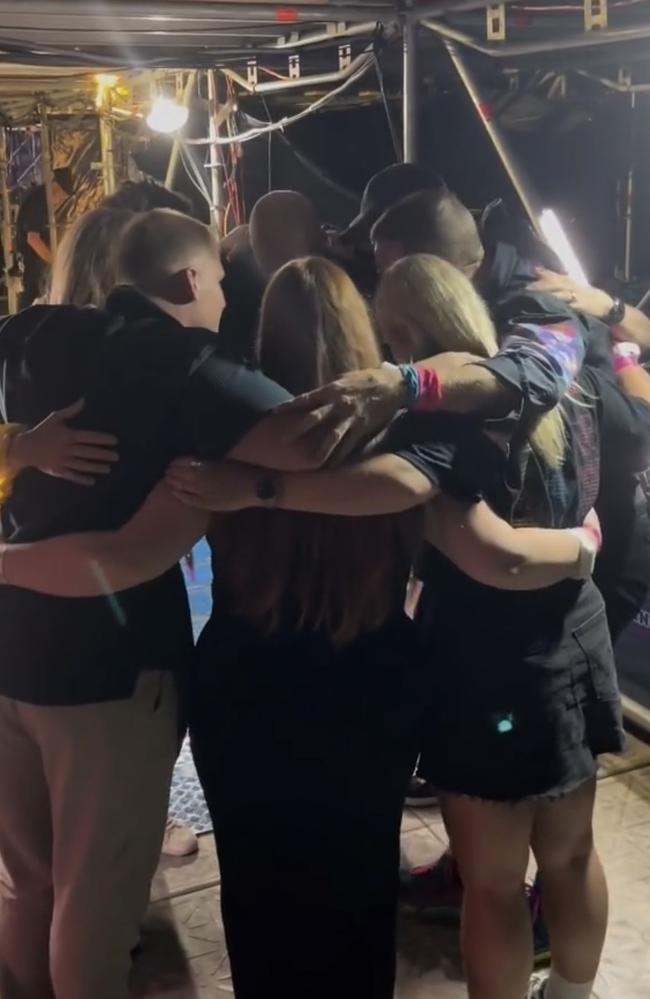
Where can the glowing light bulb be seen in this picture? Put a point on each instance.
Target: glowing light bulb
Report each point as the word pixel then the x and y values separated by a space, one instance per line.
pixel 557 239
pixel 167 115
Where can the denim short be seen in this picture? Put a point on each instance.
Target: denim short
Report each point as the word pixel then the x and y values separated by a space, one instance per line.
pixel 523 700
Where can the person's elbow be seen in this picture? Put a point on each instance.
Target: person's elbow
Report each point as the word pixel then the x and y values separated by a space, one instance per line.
pixel 498 568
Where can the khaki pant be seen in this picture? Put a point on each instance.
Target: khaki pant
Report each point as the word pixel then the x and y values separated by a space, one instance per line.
pixel 83 803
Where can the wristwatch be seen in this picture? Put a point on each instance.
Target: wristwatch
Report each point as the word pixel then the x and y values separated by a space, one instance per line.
pixel 267 490
pixel 616 314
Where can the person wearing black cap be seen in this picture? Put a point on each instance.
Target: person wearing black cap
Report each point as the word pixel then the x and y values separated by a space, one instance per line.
pixel 33 240
pixel 385 189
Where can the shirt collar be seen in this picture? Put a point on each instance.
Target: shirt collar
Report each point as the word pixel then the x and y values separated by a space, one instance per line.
pixel 129 302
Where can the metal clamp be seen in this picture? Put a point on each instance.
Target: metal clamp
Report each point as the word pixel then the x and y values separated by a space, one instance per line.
pixel 345 57
pixel 495 19
pixel 251 72
pixel 294 67
pixel 595 15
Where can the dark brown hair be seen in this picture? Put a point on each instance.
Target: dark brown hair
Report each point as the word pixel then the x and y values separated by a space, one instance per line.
pixel 338 575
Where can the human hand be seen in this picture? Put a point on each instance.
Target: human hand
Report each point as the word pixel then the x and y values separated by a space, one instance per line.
pixel 63 452
pixel 220 486
pixel 339 417
pixel 584 298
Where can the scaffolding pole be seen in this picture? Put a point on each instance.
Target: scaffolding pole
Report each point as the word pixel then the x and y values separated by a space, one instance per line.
pixel 517 178
pixel 48 178
pixel 174 156
pixel 7 226
pixel 106 144
pixel 410 91
pixel 217 211
pixel 628 189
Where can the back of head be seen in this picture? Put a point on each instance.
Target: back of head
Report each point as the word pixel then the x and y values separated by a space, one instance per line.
pixel 436 223
pixel 144 196
pixel 86 265
pixel 174 260
pixel 385 189
pixel 427 306
pixel 284 226
pixel 303 570
pixel 314 326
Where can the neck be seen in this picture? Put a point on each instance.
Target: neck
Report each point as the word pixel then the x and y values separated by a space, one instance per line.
pixel 183 314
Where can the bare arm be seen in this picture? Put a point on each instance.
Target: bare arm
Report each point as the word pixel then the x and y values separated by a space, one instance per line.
pixel 39 246
pixel 634 326
pixel 489 550
pixel 281 442
pixel 97 562
pixel 375 486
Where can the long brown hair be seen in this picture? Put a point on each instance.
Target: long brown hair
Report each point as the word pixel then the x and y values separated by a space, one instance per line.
pixel 337 575
pixel 86 266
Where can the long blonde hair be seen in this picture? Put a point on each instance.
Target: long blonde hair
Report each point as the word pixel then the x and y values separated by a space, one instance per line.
pixel 440 310
pixel 86 265
pixel 337 575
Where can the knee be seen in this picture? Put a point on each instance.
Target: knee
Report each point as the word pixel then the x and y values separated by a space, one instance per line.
pixel 572 852
pixel 493 880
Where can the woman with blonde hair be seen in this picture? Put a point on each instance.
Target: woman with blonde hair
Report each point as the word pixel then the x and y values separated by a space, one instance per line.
pixel 526 694
pixel 308 671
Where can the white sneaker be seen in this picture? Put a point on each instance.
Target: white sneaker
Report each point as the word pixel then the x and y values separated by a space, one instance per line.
pixel 179 839
pixel 537 986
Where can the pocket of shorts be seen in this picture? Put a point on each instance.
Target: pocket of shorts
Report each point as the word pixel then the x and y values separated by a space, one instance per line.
pixel 594 642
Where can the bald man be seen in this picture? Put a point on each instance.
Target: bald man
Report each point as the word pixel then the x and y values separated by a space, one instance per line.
pixel 284 226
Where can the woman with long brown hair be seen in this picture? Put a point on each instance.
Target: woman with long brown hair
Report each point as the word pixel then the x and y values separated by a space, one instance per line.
pixel 308 671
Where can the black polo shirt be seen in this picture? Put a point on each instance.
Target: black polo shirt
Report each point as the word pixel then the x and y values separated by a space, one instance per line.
pixel 164 391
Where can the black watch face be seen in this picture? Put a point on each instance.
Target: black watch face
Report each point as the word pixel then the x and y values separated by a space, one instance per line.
pixel 617 313
pixel 266 490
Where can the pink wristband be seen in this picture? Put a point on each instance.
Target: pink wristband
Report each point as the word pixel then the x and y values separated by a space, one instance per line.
pixel 430 390
pixel 626 355
pixel 595 535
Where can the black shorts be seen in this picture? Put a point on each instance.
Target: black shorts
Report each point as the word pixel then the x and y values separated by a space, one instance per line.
pixel 521 708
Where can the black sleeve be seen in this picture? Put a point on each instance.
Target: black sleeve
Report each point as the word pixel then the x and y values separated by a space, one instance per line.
pixel 624 422
pixel 450 450
pixel 221 403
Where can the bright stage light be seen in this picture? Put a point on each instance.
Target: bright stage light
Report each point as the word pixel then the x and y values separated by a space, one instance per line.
pixel 167 115
pixel 557 239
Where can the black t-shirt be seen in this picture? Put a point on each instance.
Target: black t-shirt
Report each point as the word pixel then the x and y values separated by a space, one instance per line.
pixel 164 391
pixel 623 565
pixel 32 217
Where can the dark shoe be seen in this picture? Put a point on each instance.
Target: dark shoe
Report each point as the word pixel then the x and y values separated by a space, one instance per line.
pixel 420 793
pixel 433 892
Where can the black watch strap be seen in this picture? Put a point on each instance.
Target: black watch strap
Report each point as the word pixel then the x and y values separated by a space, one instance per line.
pixel 616 314
pixel 267 489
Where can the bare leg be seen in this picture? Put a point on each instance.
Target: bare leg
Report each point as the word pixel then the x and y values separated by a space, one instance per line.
pixel 574 890
pixel 490 844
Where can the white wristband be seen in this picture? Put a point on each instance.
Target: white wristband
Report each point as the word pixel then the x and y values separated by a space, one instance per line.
pixel 586 561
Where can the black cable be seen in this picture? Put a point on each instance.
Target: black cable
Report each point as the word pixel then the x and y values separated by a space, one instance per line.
pixel 397 145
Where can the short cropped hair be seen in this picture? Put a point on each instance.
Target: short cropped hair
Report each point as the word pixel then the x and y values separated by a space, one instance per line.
pixel 159 244
pixel 432 222
pixel 145 195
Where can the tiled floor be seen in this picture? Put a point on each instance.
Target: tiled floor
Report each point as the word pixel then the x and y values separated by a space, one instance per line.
pixel 184 953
